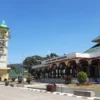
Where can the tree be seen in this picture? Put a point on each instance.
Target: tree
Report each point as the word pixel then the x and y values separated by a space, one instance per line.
pixel 29 78
pixel 31 61
pixel 27 62
pixel 14 68
pixel 37 57
pixel 35 60
pixel 53 55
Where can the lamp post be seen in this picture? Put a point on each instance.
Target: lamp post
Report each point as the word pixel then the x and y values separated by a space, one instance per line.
pixel 22 73
pixel 61 84
pixel 22 68
pixel 63 72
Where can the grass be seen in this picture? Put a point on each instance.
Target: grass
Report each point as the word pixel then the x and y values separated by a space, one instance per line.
pixel 92 86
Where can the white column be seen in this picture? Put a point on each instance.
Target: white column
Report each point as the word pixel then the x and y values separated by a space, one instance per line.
pixel 66 62
pixel 57 64
pixel 77 61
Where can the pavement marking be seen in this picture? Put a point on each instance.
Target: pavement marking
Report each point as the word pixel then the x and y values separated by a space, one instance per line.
pixel 44 91
pixel 38 90
pixel 34 89
pixel 91 98
pixel 79 96
pixel 30 89
pixel 56 92
pixel 70 94
pixel 63 93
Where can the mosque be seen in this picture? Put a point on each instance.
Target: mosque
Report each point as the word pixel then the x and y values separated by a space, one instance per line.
pixel 57 67
pixel 71 64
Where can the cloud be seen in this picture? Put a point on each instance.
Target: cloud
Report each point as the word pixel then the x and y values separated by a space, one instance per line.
pixel 48 52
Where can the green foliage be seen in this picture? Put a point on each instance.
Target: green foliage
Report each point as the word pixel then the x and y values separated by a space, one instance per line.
pixel 53 55
pixel 68 79
pixel 14 68
pixel 20 79
pixel 6 83
pixel 82 77
pixel 13 79
pixel 29 78
pixel 35 60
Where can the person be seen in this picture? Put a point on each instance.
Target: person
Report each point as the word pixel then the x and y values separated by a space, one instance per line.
pixel 54 84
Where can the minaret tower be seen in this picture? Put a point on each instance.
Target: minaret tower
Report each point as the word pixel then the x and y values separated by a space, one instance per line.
pixel 4 36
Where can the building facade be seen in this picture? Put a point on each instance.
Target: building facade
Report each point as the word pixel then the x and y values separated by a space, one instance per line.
pixel 4 36
pixel 71 64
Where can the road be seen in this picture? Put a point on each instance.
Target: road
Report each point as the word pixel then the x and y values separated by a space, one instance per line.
pixel 9 93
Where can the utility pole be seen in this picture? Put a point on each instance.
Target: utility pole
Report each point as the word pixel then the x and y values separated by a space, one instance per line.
pixel 22 68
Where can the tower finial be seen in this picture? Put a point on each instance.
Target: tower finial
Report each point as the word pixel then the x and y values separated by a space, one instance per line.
pixel 3 24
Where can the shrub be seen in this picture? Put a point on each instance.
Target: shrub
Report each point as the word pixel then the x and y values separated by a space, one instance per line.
pixel 13 79
pixel 20 79
pixel 6 83
pixel 82 77
pixel 68 79
pixel 29 79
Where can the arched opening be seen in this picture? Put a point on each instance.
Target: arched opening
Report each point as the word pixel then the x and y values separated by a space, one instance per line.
pixel 84 66
pixel 72 68
pixel 94 68
pixel 43 72
pixel 49 72
pixel 53 70
pixel 47 69
pixel 62 69
pixel 38 71
pixel 46 72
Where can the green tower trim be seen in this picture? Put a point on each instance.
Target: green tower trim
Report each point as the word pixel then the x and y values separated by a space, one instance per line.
pixel 3 25
pixel 97 39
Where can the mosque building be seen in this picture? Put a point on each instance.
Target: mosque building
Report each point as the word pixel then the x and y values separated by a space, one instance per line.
pixel 71 64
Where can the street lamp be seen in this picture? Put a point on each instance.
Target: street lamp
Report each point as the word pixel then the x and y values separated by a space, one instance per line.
pixel 61 84
pixel 22 73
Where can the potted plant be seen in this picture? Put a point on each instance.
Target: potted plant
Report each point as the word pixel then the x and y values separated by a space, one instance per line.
pixel 6 83
pixel 13 79
pixel 29 79
pixel 20 79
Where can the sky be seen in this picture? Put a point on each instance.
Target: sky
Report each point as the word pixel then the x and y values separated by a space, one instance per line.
pixel 39 27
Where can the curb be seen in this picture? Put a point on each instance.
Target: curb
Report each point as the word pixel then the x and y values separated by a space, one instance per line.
pixel 62 94
pixel 55 93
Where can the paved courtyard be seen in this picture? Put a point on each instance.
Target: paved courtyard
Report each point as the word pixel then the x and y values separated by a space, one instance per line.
pixel 9 93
